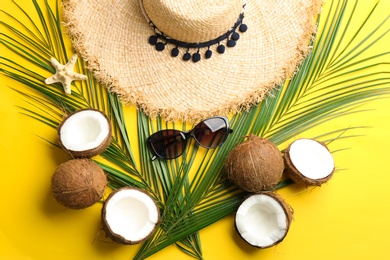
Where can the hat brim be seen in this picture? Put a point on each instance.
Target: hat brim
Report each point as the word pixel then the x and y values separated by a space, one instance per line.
pixel 112 36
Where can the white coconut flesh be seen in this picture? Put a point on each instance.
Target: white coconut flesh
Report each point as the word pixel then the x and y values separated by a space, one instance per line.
pixel 84 130
pixel 312 159
pixel 131 214
pixel 261 221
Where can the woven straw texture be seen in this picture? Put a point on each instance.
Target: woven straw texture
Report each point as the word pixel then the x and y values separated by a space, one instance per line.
pixel 112 36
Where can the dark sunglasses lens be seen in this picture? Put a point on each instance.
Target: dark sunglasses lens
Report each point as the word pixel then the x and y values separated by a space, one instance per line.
pixel 167 144
pixel 211 132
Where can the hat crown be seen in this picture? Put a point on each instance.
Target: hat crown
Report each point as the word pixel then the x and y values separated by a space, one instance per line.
pixel 193 21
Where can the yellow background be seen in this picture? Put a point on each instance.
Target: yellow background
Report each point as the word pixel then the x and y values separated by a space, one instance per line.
pixel 347 218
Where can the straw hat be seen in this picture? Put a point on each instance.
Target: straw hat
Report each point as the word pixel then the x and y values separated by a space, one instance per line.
pixel 270 38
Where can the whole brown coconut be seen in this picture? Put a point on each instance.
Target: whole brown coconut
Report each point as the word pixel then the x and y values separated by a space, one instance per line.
pixel 78 183
pixel 255 165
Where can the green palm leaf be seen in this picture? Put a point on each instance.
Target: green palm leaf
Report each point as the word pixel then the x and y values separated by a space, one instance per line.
pixel 191 191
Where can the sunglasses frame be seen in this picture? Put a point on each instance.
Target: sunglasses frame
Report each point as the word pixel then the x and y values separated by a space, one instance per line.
pixel 186 136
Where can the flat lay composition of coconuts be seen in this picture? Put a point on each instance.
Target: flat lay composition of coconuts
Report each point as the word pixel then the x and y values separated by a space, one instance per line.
pixel 130 215
pixel 256 166
pixel 80 183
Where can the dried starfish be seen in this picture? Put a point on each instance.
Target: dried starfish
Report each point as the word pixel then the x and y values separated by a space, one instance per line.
pixel 65 74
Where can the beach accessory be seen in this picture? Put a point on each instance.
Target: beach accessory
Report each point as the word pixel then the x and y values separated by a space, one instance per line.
pixel 129 45
pixel 170 143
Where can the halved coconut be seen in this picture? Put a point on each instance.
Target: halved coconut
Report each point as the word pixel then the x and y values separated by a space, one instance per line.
pixel 263 219
pixel 129 216
pixel 78 183
pixel 85 133
pixel 309 162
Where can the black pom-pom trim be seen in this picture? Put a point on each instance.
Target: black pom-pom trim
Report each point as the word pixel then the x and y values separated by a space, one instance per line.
pixel 153 39
pixel 187 56
pixel 231 37
pixel 160 46
pixel 196 57
pixel 231 43
pixel 235 36
pixel 208 54
pixel 221 49
pixel 243 28
pixel 175 52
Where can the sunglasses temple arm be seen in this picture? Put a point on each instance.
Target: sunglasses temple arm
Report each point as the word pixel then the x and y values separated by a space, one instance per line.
pixel 154 157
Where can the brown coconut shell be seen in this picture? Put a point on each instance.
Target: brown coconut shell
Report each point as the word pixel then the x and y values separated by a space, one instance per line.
pixel 255 165
pixel 107 229
pixel 90 152
pixel 288 210
pixel 293 173
pixel 78 183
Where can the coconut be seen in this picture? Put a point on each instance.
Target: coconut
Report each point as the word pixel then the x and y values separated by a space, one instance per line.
pixel 309 162
pixel 129 216
pixel 255 165
pixel 78 183
pixel 85 133
pixel 263 219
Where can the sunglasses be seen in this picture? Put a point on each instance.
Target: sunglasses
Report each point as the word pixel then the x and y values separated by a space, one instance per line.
pixel 170 143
